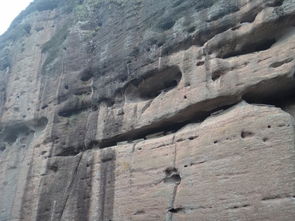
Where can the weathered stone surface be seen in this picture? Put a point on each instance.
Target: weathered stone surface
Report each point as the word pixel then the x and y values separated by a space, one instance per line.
pixel 135 110
pixel 235 165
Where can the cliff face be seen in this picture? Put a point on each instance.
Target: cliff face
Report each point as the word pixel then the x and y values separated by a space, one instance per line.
pixel 170 110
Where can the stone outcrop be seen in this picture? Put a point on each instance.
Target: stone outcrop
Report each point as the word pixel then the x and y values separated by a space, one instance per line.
pixel 141 110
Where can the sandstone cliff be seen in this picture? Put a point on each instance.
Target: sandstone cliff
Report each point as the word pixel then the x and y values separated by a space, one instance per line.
pixel 148 110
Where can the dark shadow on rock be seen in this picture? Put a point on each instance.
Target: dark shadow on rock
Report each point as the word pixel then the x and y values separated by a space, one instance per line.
pixel 107 184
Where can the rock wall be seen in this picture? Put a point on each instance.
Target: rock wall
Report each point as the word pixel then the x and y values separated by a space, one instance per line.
pixel 133 110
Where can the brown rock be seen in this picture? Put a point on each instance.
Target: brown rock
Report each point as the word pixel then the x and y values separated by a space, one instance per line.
pixel 148 110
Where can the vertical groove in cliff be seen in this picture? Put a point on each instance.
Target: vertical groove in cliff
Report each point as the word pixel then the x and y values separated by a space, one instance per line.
pixel 107 184
pixel 69 188
pixel 174 178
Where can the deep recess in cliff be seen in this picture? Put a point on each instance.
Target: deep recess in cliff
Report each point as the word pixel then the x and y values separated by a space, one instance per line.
pixel 148 110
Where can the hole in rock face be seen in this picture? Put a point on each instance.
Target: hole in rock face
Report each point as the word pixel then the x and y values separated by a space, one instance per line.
pixel 166 24
pixel 216 75
pixel 191 29
pixel 40 124
pixel 245 134
pixel 2 147
pixel 280 63
pixel 86 75
pixel 175 210
pixel 172 176
pixel 274 91
pixel 12 133
pixel 200 63
pixel 138 212
pixel 170 170
pixel 53 167
pixel 250 48
pixel 109 156
pixel 275 3
pixel 153 83
pixel 175 178
pixel 192 137
pixel 73 106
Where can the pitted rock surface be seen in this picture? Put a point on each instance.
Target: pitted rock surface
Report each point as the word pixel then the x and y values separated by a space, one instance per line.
pixel 141 110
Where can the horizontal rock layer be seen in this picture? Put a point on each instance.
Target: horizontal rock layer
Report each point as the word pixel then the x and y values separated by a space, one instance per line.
pixel 148 110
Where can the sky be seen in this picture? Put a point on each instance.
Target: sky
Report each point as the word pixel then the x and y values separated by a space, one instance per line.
pixel 9 9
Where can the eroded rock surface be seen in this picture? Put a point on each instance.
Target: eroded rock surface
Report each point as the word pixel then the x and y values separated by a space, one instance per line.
pixel 148 110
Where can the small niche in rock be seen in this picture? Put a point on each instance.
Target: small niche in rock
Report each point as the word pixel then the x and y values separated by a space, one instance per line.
pixel 249 17
pixel 280 63
pixel 53 167
pixel 274 91
pixel 200 63
pixel 44 107
pixel 86 75
pixel 153 84
pixel 275 3
pixel 2 147
pixel 191 29
pixel 175 210
pixel 68 151
pixel 172 176
pixel 74 107
pixel 40 124
pixel 216 75
pixel 250 48
pixel 13 132
pixel 108 156
pixel 69 112
pixel 245 134
pixel 139 212
pixel 166 24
